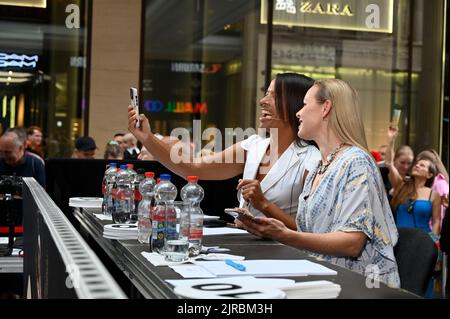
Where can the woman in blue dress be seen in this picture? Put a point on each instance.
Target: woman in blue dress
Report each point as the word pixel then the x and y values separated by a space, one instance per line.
pixel 414 201
pixel 343 214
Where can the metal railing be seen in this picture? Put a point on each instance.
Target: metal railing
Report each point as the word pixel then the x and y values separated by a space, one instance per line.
pixel 90 279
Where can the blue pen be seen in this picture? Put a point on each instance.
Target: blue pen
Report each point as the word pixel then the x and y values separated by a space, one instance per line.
pixel 235 265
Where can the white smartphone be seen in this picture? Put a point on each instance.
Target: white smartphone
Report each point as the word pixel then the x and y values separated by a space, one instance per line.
pixel 135 103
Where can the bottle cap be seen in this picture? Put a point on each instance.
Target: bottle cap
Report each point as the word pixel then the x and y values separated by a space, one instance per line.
pixel 149 174
pixel 192 178
pixel 165 177
pixel 123 167
pixel 113 164
pixel 130 166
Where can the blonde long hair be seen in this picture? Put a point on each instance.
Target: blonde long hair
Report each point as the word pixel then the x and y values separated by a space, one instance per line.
pixel 345 117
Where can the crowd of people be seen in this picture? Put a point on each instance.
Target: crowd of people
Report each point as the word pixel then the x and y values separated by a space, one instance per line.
pixel 317 187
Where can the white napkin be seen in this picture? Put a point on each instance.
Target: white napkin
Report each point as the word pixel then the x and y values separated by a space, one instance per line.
pixel 158 260
pixel 103 217
pixel 320 289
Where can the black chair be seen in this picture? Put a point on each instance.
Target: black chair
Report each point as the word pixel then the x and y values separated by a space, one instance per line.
pixel 416 255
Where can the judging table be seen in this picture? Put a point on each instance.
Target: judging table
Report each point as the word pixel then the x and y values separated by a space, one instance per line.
pixel 150 281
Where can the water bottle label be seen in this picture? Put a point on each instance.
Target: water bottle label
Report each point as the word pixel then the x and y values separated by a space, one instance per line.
pixel 144 222
pixel 171 232
pixel 156 225
pixel 196 233
pixel 137 195
pixel 160 235
pixel 185 231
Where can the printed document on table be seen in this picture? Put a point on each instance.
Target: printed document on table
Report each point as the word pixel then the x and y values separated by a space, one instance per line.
pixel 192 271
pixel 288 268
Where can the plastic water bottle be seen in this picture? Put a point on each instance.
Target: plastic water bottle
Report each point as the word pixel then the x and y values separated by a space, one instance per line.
pixel 145 207
pixel 107 187
pixel 110 167
pixel 137 197
pixel 165 194
pixel 123 204
pixel 132 173
pixel 193 193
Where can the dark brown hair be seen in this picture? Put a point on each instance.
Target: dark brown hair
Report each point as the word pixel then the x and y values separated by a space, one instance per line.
pixel 290 91
pixel 408 189
pixel 30 130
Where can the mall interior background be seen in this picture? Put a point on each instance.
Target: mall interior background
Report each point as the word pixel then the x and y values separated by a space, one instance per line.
pixel 216 58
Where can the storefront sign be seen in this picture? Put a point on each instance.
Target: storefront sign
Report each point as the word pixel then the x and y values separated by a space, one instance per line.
pixel 184 67
pixel 313 54
pixel 18 61
pixel 78 61
pixel 357 15
pixel 175 107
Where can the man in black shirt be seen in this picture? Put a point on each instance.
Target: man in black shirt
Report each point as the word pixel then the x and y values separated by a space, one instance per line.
pixel 15 161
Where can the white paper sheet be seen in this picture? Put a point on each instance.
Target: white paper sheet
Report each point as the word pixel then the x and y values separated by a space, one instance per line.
pixel 86 202
pixel 210 217
pixel 288 268
pixel 192 271
pixel 103 217
pixel 320 289
pixel 212 231
pixel 263 282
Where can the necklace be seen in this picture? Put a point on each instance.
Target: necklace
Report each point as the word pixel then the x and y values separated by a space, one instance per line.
pixel 324 166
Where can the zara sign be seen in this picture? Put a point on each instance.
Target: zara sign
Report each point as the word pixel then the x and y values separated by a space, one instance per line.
pixel 356 15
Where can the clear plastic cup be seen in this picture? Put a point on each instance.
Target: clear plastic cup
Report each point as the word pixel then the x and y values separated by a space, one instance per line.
pixel 176 243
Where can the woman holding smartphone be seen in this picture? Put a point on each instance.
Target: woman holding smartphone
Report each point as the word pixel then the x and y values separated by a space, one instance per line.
pixel 273 168
pixel 344 215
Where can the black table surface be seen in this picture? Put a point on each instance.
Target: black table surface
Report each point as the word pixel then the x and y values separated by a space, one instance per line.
pixel 150 281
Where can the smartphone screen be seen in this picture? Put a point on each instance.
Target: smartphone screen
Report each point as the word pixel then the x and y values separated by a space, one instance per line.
pixel 135 103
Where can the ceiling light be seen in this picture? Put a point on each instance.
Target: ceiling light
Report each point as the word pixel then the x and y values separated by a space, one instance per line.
pixel 15 74
pixel 9 79
pixel 25 3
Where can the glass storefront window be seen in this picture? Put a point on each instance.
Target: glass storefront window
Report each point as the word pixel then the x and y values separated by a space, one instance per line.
pixel 200 62
pixel 43 70
pixel 340 43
